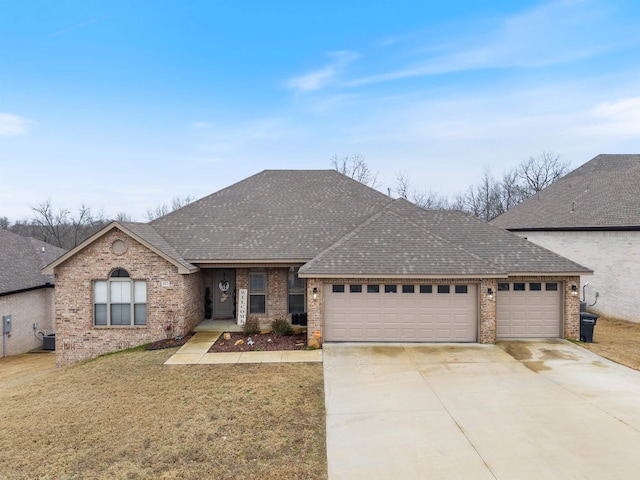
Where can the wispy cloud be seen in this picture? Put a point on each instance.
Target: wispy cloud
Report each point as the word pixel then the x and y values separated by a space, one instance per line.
pixel 620 118
pixel 325 75
pixel 13 125
pixel 201 125
pixel 548 34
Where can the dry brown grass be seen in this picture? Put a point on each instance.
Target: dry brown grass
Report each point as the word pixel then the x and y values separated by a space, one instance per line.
pixel 129 416
pixel 617 340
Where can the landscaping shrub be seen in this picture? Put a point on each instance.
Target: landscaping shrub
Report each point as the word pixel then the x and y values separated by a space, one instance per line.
pixel 281 327
pixel 251 327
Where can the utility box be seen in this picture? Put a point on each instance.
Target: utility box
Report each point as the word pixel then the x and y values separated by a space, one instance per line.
pixel 6 324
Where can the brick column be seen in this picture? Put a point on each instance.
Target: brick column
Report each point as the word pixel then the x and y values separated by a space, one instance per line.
pixel 315 310
pixel 487 333
pixel 571 309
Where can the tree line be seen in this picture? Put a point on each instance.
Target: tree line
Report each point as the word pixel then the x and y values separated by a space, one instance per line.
pixel 487 199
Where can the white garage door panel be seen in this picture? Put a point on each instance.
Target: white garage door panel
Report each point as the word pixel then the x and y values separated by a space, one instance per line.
pixel 533 314
pixel 397 317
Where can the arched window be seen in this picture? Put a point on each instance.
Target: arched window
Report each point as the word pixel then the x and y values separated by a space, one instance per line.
pixel 119 300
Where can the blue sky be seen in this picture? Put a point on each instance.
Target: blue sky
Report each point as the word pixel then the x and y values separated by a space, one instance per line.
pixel 122 105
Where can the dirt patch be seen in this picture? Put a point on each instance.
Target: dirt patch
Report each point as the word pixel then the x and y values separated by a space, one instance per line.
pixel 128 416
pixel 617 340
pixel 260 343
pixel 170 342
pixel 536 366
pixel 554 354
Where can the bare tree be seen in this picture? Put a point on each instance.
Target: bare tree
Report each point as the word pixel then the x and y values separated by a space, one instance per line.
pixel 4 223
pixel 427 199
pixel 181 202
pixel 122 217
pixel 355 167
pixel 541 171
pixel 160 210
pixel 51 223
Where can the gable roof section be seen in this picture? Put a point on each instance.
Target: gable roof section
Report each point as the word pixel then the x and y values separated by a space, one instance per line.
pixel 601 194
pixel 274 215
pixel 405 240
pixel 142 233
pixel 21 259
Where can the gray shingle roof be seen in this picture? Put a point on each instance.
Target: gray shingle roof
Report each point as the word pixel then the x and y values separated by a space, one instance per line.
pixel 149 235
pixel 273 215
pixel 603 193
pixel 21 259
pixel 407 240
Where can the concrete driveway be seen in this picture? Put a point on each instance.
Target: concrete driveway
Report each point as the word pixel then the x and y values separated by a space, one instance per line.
pixel 515 410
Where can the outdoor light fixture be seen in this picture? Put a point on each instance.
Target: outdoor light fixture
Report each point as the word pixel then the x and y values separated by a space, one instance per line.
pixel 490 293
pixel 315 293
pixel 574 290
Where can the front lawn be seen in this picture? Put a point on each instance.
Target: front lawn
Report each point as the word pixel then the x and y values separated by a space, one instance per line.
pixel 127 415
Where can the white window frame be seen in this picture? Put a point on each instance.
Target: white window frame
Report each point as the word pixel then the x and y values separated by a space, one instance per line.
pixel 104 296
pixel 259 293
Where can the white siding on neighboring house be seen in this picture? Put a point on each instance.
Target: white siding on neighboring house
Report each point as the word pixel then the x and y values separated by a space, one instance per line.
pixel 615 260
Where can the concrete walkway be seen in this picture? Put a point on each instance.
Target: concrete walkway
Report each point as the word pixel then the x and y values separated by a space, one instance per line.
pixel 515 410
pixel 195 352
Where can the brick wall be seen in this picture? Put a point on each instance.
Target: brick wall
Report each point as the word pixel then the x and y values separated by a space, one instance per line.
pixel 179 303
pixel 277 292
pixel 27 308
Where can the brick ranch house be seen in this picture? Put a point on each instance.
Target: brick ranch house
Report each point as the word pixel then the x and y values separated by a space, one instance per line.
pixel 362 265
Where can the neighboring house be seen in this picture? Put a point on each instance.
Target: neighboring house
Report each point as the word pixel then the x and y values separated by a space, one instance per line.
pixel 25 293
pixel 363 266
pixel 592 216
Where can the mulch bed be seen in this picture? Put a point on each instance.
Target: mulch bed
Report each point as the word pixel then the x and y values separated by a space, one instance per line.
pixel 169 342
pixel 261 342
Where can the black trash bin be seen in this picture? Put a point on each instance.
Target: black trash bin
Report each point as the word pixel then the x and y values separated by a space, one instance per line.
pixel 587 323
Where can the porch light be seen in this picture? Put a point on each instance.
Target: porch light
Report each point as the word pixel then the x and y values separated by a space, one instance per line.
pixel 490 293
pixel 574 290
pixel 315 293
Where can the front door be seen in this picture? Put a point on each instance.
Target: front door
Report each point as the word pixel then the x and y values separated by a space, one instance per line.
pixel 223 293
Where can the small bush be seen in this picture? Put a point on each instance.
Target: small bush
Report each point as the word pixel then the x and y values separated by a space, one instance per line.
pixel 251 327
pixel 281 327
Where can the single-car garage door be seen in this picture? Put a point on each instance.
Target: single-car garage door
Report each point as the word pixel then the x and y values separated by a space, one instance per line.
pixel 529 309
pixel 400 313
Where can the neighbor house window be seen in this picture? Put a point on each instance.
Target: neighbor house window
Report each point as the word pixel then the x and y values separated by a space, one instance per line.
pixel 297 287
pixel 119 301
pixel 257 293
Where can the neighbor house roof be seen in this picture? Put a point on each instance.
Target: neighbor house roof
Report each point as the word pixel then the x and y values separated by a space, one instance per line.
pixel 272 216
pixel 21 259
pixel 601 194
pixel 404 240
pixel 141 232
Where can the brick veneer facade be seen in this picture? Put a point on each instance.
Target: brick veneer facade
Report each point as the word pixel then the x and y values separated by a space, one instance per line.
pixel 178 299
pixel 172 299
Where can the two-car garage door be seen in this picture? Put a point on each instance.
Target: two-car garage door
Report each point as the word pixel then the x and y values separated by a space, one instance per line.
pixel 401 313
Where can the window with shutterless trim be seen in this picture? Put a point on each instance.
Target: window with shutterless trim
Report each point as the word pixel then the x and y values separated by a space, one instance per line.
pixel 551 287
pixel 258 292
pixel 119 301
pixel 337 288
pixel 503 287
pixel 535 287
pixel 373 288
pixel 444 288
pixel 355 288
pixel 426 288
pixel 461 289
pixel 518 287
pixel 408 288
pixel 390 289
